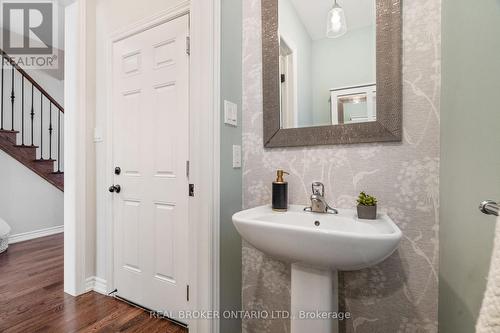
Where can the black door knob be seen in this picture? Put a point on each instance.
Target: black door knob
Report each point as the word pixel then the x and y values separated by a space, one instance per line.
pixel 115 188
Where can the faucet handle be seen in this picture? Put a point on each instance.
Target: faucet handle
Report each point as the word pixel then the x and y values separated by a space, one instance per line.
pixel 318 189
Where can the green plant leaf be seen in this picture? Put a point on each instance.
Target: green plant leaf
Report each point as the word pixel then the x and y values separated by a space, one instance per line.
pixel 366 200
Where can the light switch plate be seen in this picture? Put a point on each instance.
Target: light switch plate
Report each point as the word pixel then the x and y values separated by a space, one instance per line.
pixel 97 135
pixel 230 113
pixel 236 157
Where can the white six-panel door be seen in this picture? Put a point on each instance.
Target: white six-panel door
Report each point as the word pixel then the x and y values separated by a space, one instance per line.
pixel 151 146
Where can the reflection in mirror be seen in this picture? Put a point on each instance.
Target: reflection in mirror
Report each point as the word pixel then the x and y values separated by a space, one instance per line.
pixel 327 62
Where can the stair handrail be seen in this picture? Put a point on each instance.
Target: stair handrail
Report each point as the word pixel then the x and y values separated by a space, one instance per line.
pixel 31 80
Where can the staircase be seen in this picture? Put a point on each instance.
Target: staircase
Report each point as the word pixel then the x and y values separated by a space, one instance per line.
pixel 31 123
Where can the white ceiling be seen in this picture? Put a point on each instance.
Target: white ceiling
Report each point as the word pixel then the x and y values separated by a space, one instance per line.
pixel 313 13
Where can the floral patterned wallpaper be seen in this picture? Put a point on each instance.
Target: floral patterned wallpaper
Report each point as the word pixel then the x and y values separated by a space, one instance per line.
pixel 401 294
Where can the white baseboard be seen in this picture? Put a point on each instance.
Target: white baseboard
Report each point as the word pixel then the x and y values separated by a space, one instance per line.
pixel 96 284
pixel 35 234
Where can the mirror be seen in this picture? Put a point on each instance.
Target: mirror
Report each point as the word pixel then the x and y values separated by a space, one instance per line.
pixel 332 71
pixel 326 78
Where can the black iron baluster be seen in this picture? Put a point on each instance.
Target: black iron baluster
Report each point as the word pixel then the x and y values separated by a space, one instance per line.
pixel 41 126
pixel 50 131
pixel 32 113
pixel 1 125
pixel 22 110
pixel 12 97
pixel 58 141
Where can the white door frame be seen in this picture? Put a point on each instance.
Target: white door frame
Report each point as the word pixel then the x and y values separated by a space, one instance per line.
pixel 75 143
pixel 291 101
pixel 204 151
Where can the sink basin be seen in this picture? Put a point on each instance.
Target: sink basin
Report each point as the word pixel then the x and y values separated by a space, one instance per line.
pixel 317 245
pixel 340 242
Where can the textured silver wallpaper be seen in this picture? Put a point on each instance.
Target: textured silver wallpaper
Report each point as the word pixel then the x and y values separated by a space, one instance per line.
pixel 401 294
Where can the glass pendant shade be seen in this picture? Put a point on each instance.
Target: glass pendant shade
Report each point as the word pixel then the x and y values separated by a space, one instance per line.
pixel 336 24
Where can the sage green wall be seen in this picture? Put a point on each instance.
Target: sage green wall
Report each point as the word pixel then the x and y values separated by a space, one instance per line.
pixel 230 179
pixel 470 156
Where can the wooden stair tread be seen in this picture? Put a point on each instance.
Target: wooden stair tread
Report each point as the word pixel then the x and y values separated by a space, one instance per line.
pixel 11 136
pixel 26 146
pixel 45 160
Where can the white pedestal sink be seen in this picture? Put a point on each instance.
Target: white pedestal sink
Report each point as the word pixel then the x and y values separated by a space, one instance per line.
pixel 317 245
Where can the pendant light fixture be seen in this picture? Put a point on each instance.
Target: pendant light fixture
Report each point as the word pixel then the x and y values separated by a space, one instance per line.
pixel 336 24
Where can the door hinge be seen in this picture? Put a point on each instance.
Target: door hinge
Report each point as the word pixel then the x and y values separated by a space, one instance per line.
pixel 191 190
pixel 187 169
pixel 187 292
pixel 188 45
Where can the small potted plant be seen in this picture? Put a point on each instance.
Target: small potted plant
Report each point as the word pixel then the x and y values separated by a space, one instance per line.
pixel 367 207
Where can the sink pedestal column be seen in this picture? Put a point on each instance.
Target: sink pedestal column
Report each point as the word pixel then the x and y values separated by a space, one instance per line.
pixel 314 293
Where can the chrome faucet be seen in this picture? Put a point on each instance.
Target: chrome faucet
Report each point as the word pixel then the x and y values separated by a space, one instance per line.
pixel 318 202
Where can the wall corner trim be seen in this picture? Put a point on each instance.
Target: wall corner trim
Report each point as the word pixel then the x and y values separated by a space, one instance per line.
pixel 96 284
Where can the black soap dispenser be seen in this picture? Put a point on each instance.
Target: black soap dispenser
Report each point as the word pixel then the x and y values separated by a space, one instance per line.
pixel 280 192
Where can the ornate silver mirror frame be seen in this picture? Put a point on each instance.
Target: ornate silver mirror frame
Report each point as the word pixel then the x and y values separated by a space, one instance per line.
pixel 388 126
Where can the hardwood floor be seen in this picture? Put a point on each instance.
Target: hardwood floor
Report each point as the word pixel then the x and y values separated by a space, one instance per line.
pixel 32 297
